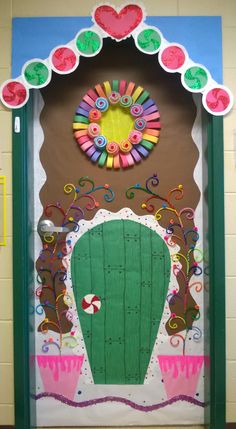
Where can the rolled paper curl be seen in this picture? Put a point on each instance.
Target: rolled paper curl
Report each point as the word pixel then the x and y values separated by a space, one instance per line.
pixel 135 137
pixel 126 101
pixel 100 142
pixel 112 148
pixel 136 110
pixel 125 146
pixel 102 104
pixel 140 124
pixel 93 130
pixel 95 115
pixel 114 97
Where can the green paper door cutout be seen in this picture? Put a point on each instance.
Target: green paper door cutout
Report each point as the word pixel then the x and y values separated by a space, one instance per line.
pixel 127 265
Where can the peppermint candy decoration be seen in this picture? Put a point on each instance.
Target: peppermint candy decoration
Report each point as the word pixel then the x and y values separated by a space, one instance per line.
pixel 91 303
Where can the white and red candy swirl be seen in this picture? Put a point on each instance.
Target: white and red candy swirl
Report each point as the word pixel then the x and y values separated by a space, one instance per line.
pixel 91 303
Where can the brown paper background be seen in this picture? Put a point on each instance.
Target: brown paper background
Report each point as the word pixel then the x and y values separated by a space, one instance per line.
pixel 173 159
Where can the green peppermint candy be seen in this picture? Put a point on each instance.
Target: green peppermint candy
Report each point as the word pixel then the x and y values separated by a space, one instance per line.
pixel 149 40
pixel 88 42
pixel 195 78
pixel 36 73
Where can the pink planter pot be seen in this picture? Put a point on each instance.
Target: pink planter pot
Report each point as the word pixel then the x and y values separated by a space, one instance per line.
pixel 181 373
pixel 60 374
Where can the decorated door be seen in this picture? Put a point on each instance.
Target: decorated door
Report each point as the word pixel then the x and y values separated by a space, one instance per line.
pixel 118 157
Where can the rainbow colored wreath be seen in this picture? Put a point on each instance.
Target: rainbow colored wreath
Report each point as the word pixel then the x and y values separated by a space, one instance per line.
pixel 117 124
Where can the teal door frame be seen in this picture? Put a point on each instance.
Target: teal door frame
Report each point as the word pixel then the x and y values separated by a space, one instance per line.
pixel 23 268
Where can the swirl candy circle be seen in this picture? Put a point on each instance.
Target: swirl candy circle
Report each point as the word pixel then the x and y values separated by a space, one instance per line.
pixel 102 104
pixel 195 78
pixel 122 138
pixel 89 43
pixel 136 110
pixel 149 41
pixel 14 94
pixel 217 100
pixel 64 60
pixel 91 303
pixel 172 58
pixel 37 74
pixel 112 148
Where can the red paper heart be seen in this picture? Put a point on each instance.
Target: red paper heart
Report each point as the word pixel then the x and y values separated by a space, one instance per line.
pixel 118 25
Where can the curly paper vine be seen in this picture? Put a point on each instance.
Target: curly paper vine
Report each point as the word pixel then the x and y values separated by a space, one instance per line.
pixel 54 300
pixel 181 230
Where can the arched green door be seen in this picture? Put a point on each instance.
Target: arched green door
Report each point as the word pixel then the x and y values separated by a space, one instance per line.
pixel 126 265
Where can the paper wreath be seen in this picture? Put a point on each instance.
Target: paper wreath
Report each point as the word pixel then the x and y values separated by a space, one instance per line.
pixel 100 112
pixel 118 24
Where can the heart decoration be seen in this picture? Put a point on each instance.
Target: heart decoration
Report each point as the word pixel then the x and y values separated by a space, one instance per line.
pixel 118 24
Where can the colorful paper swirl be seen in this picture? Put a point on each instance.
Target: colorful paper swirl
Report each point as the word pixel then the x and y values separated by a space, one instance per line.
pixel 112 148
pixel 100 142
pixel 114 97
pixel 125 146
pixel 135 137
pixel 102 104
pixel 95 115
pixel 93 130
pixel 136 110
pixel 140 124
pixel 126 101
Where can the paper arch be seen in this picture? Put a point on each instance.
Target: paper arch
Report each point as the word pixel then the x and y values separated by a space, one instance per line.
pixel 118 24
